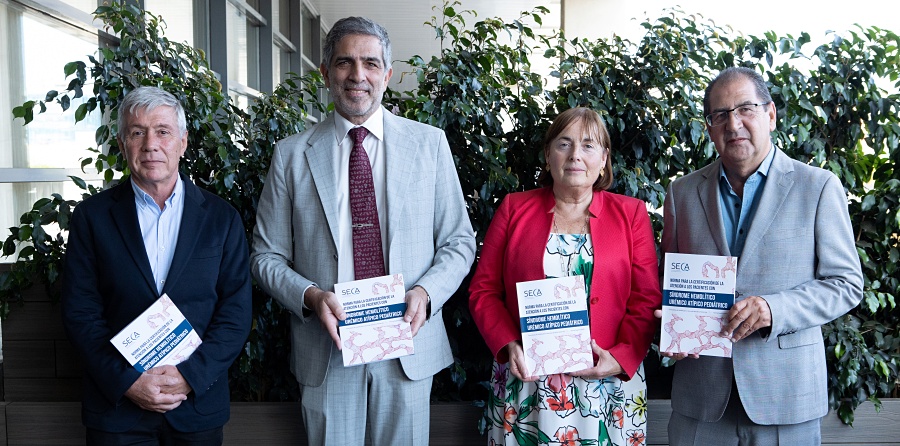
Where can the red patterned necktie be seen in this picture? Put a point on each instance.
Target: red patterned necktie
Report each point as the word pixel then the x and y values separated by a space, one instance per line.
pixel 368 256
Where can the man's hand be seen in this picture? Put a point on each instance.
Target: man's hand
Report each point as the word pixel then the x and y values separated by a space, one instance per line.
pixel 147 392
pixel 676 356
pixel 328 308
pixel 605 367
pixel 416 308
pixel 517 365
pixel 180 386
pixel 747 316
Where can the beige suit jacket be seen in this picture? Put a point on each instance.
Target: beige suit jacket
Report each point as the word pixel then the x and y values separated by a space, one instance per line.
pixel 429 236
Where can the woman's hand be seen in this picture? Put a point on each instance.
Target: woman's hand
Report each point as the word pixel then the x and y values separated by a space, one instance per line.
pixel 605 367
pixel 517 364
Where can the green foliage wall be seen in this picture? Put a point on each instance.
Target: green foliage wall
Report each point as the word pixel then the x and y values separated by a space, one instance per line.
pixel 480 89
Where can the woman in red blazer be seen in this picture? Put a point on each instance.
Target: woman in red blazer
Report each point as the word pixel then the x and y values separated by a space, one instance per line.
pixel 572 226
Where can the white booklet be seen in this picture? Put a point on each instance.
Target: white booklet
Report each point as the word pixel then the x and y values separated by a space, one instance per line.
pixel 374 329
pixel 698 291
pixel 556 330
pixel 159 336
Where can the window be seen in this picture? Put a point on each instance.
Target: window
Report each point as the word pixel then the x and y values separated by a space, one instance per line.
pixel 179 18
pixel 87 6
pixel 36 160
pixel 242 24
pixel 312 42
pixel 284 52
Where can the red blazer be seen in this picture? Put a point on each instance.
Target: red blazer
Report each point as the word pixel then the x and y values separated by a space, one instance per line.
pixel 624 290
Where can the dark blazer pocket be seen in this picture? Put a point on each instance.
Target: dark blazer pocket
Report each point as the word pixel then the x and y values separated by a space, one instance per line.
pixel 805 337
pixel 207 252
pixel 214 399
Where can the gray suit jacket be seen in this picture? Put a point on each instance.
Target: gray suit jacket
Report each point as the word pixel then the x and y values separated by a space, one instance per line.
pixel 429 236
pixel 800 256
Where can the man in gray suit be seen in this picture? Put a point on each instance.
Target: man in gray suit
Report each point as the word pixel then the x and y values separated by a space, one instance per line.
pixel 797 269
pixel 309 236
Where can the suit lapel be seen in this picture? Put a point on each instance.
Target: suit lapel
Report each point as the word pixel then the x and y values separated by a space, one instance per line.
pixel 324 171
pixel 124 214
pixel 188 233
pixel 778 183
pixel 708 191
pixel 401 151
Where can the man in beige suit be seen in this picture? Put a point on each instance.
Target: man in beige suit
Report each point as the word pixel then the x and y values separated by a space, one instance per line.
pixel 787 222
pixel 305 236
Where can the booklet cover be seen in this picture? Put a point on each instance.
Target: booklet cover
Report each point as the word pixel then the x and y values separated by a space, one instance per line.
pixel 556 331
pixel 698 291
pixel 159 336
pixel 374 329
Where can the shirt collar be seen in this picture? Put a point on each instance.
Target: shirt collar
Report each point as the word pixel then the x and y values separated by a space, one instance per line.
pixel 763 168
pixel 145 199
pixel 375 125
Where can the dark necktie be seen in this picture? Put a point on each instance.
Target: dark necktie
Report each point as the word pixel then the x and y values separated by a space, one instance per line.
pixel 368 256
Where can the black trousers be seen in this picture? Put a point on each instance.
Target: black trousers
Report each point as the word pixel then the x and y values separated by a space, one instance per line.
pixel 154 430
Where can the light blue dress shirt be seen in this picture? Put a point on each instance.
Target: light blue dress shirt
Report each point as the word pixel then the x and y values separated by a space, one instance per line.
pixel 738 212
pixel 159 229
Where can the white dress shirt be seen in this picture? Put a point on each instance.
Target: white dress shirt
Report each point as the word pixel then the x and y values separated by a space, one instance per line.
pixel 374 145
pixel 159 229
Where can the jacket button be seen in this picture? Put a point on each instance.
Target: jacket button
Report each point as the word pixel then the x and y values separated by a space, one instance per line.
pixel 594 300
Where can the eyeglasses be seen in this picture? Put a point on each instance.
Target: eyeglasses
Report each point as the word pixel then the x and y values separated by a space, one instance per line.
pixel 744 111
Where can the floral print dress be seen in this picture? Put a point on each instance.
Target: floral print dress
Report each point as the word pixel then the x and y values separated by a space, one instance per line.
pixel 563 409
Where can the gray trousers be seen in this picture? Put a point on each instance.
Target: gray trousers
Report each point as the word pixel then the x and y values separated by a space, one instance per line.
pixel 378 395
pixel 736 429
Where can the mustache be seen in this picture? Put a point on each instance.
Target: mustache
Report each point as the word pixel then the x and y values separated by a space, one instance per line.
pixel 733 135
pixel 361 86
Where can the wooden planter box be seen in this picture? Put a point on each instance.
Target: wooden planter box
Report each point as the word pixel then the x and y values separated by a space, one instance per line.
pixel 41 390
pixel 274 424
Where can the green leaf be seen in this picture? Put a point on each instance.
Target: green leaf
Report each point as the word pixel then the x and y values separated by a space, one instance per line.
pixel 79 182
pixel 26 252
pixel 868 202
pixel 41 203
pixel 80 112
pixel 25 233
pixel 70 68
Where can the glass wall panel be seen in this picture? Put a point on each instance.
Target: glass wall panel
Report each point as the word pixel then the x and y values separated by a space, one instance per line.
pixel 236 24
pixel 178 16
pixel 310 31
pixel 277 64
pixel 283 17
pixel 88 6
pixel 243 49
pixel 285 57
pixel 52 141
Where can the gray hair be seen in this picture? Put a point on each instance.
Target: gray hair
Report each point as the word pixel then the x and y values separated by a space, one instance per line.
pixel 729 74
pixel 148 98
pixel 356 26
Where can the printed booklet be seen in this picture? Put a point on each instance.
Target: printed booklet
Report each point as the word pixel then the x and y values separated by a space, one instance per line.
pixel 374 329
pixel 698 291
pixel 556 331
pixel 159 336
